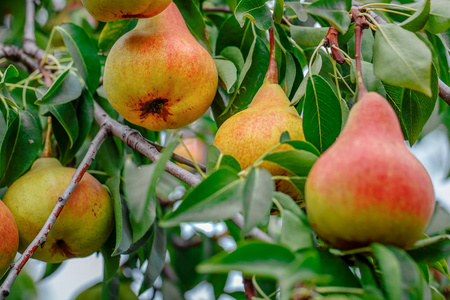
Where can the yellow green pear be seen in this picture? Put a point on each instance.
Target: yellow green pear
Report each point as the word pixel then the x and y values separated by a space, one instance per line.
pixel 83 225
pixel 250 133
pixel 111 10
pixel 9 238
pixel 158 76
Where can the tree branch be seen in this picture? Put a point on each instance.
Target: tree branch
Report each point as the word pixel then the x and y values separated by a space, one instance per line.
pixel 16 54
pixel 39 240
pixel 29 38
pixel 444 89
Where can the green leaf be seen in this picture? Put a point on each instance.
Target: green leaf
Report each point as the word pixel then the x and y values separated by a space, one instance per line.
pixel 66 115
pixel 250 80
pixel 233 54
pixel 136 186
pixel 431 250
pixel 232 35
pixel 372 83
pixel 110 262
pixel 308 36
pixel 10 72
pixel 400 58
pixel 401 277
pixel 315 69
pixel 420 17
pixel 123 228
pixel 297 7
pixel 256 258
pixel 278 11
pixel 159 168
pixel 84 53
pixel 85 115
pixel 417 108
pixel 322 114
pixel 439 18
pixel 295 231
pixel 194 21
pixel 19 148
pixel 334 11
pixel 227 73
pixel 113 31
pixel 255 10
pixel 298 162
pixel 218 197
pixel 156 260
pixel 64 89
pixel 258 190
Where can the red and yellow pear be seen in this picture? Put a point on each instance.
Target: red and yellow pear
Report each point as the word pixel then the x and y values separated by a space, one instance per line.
pixel 250 133
pixel 158 76
pixel 82 227
pixel 111 10
pixel 196 147
pixel 9 237
pixel 368 187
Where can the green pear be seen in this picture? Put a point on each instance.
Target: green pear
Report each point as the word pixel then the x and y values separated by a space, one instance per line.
pixel 83 225
pixel 368 187
pixel 158 76
pixel 111 10
pixel 9 237
pixel 250 133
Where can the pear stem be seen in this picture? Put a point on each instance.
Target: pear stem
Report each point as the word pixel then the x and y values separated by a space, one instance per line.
pixel 360 24
pixel 47 152
pixel 272 72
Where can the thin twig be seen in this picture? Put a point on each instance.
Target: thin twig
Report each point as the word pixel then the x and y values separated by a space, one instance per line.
pixel 179 158
pixel 444 89
pixel 5 288
pixel 249 288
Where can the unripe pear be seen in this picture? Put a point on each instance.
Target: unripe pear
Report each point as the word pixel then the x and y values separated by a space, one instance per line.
pixel 368 187
pixel 250 133
pixel 9 238
pixel 158 76
pixel 111 10
pixel 83 225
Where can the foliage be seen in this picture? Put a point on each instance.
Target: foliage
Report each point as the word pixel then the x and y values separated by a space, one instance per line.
pixel 402 60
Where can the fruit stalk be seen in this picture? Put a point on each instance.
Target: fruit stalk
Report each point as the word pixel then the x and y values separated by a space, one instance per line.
pixel 360 24
pixel 5 288
pixel 47 152
pixel 272 72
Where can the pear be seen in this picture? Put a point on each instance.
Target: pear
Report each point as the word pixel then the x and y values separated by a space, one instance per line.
pixel 158 76
pixel 250 133
pixel 9 237
pixel 84 224
pixel 368 187
pixel 196 147
pixel 111 10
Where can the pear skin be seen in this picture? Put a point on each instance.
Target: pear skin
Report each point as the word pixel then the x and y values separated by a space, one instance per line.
pixel 82 227
pixel 111 10
pixel 368 187
pixel 250 133
pixel 158 76
pixel 9 237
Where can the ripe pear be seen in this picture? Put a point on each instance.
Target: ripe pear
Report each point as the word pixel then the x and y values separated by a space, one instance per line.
pixel 9 237
pixel 368 187
pixel 111 10
pixel 197 148
pixel 250 133
pixel 158 76
pixel 84 224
